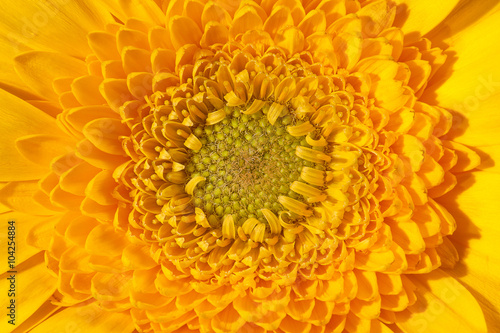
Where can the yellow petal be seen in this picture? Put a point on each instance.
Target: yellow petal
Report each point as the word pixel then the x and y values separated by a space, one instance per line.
pixel 443 304
pixel 474 204
pixel 115 92
pixel 375 17
pixel 21 226
pixel 105 240
pixel 137 257
pixel 471 85
pixel 86 90
pixel 19 197
pixel 81 116
pixel 33 286
pixel 104 133
pixel 42 148
pixel 20 119
pixel 44 311
pixel 214 33
pixel 58 25
pixel 348 48
pixel 39 69
pixel 290 39
pixel 245 19
pixel 280 17
pixel 184 30
pixel 147 10
pixel 489 155
pixel 76 179
pixel 228 320
pixel 104 45
pixel 417 17
pixel 136 60
pixel 87 318
pixel 101 187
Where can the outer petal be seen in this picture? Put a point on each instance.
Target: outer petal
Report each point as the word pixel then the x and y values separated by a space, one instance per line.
pixel 23 224
pixel 474 203
pixel 471 86
pixel 146 10
pixel 34 285
pixel 418 17
pixel 87 318
pixel 20 119
pixel 39 69
pixel 59 25
pixel 443 305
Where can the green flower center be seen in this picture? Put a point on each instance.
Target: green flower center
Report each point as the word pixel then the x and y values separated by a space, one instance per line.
pixel 247 163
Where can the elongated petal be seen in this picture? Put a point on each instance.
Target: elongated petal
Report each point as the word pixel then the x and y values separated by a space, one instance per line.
pixel 458 310
pixel 474 91
pixel 57 25
pixel 22 225
pixel 477 234
pixel 20 119
pixel 89 318
pixel 39 69
pixel 421 16
pixel 33 286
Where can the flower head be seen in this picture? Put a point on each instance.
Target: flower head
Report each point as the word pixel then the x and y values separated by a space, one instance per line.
pixel 221 166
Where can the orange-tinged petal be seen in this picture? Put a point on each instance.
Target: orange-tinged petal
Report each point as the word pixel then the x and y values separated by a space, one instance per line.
pixel 245 19
pixel 279 18
pixel 214 33
pixel 227 320
pixel 291 39
pixel 87 317
pixel 183 31
pixel 375 17
pixel 348 48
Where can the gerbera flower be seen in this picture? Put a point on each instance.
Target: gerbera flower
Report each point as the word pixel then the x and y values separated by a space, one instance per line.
pixel 250 166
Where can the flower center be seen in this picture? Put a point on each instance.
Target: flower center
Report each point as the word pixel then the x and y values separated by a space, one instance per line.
pixel 247 164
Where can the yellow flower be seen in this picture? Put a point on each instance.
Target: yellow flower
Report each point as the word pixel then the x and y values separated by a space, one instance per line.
pixel 249 166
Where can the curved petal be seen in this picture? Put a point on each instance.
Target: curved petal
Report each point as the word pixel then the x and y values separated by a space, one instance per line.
pixel 19 196
pixel 474 203
pixel 19 119
pixel 471 86
pixel 418 17
pixel 39 69
pixel 34 285
pixel 87 318
pixel 443 305
pixel 23 224
pixel 146 10
pixel 58 25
